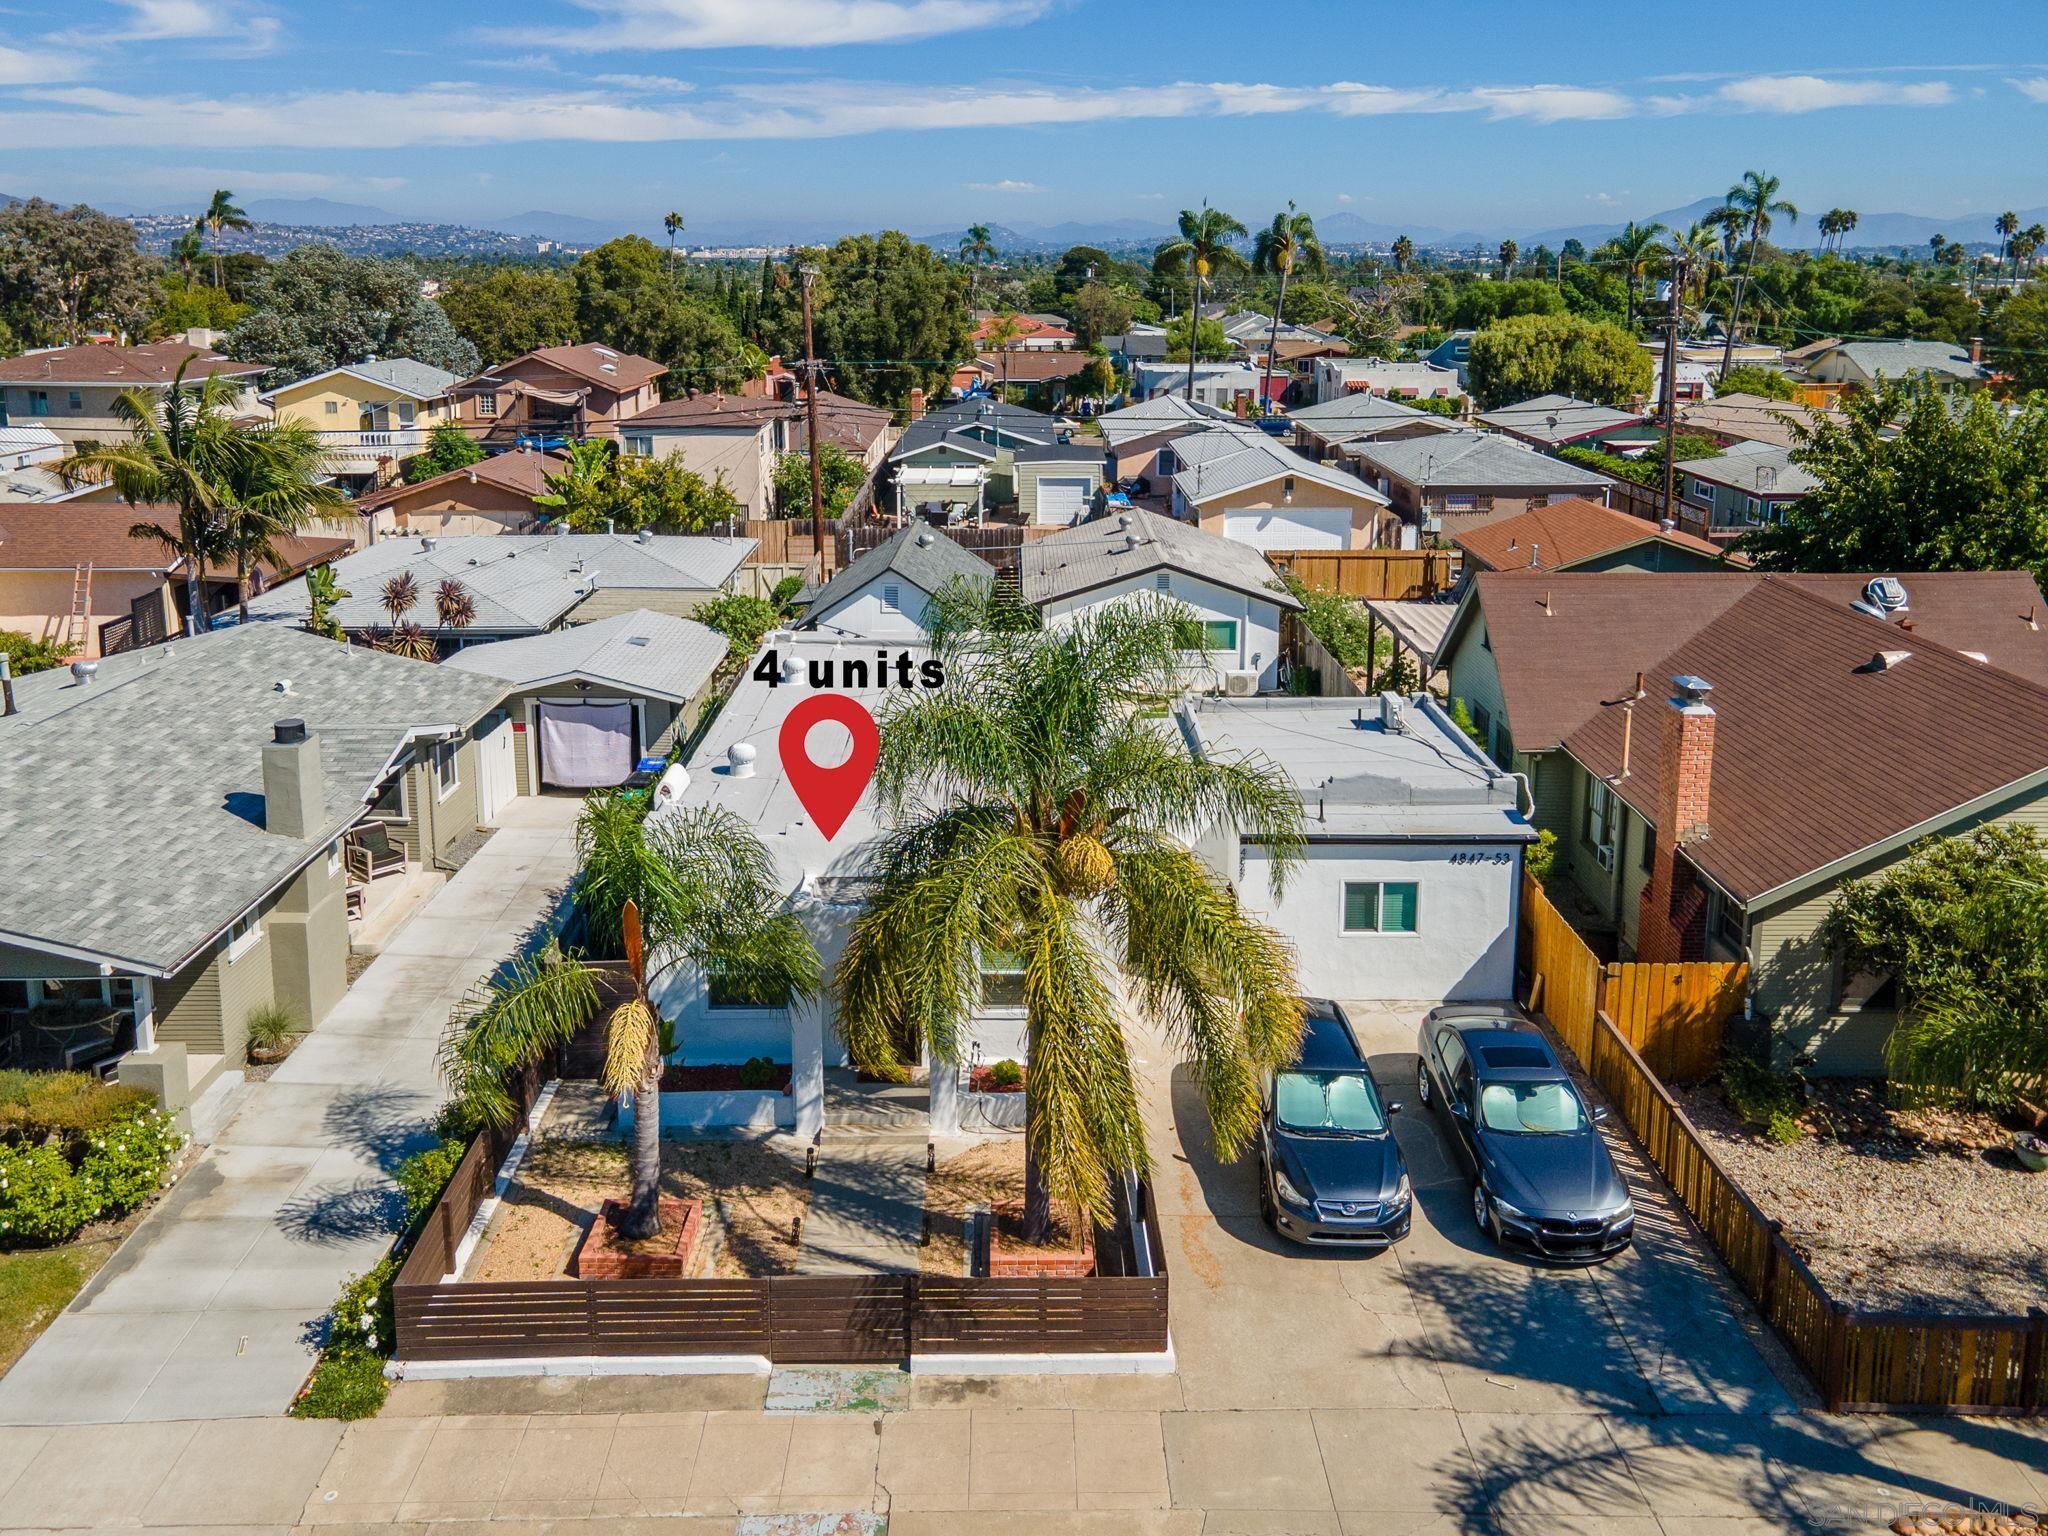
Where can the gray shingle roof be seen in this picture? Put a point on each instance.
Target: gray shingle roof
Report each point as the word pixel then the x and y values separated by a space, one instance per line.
pixel 1158 414
pixel 1360 408
pixel 1558 419
pixel 1472 458
pixel 1228 459
pixel 1899 359
pixel 921 555
pixel 641 652
pixel 1005 425
pixel 1761 469
pixel 131 809
pixel 1091 555
pixel 520 583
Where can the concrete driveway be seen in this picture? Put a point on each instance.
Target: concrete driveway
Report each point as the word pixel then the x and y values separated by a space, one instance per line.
pixel 211 1308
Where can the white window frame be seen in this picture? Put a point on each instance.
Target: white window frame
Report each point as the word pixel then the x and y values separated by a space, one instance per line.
pixel 487 403
pixel 1378 906
pixel 243 936
pixel 639 445
pixel 334 857
pixel 1600 816
pixel 451 747
pixel 333 407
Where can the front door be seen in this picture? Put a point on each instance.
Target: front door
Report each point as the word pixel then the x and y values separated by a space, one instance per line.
pixel 497 775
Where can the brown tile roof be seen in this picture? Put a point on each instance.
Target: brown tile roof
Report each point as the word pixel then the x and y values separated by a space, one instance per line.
pixel 1817 754
pixel 1035 367
pixel 1567 533
pixel 123 367
pixel 71 534
pixel 588 360
pixel 520 471
pixel 1752 418
pixel 853 424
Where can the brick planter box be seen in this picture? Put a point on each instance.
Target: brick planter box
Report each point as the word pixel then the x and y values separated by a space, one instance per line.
pixel 1010 1259
pixel 602 1255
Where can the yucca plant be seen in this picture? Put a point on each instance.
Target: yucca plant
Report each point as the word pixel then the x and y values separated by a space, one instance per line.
pixel 1041 818
pixel 691 888
pixel 453 605
pixel 399 594
pixel 409 640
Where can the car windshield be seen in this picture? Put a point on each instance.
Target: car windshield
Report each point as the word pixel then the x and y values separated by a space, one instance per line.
pixel 1532 1108
pixel 1327 1101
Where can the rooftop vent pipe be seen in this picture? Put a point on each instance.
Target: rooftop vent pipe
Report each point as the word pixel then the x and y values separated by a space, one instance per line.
pixel 739 760
pixel 6 687
pixel 83 672
pixel 1883 598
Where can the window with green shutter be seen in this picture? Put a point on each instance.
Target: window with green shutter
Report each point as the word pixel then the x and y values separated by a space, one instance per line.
pixel 1376 906
pixel 1219 635
pixel 1397 906
pixel 1361 907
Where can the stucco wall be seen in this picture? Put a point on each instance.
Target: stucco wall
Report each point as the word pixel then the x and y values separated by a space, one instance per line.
pixel 38 603
pixel 1258 622
pixel 864 614
pixel 743 456
pixel 1368 517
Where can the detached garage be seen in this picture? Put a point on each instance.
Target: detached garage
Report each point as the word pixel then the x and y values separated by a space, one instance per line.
pixel 1057 482
pixel 1294 528
pixel 592 700
pixel 1236 483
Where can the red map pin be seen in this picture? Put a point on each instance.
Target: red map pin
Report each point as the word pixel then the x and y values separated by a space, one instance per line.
pixel 829 794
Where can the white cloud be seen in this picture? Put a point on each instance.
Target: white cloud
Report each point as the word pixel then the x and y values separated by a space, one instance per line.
pixel 21 66
pixel 1813 93
pixel 654 85
pixel 678 24
pixel 2035 89
pixel 1552 103
pixel 230 24
pixel 1004 186
pixel 1605 199
pixel 1344 197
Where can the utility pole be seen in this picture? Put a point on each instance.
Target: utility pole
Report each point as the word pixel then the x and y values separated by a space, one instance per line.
pixel 809 274
pixel 1677 284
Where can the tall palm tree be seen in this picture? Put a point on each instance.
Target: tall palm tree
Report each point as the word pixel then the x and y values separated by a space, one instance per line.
pixel 1845 219
pixel 1290 240
pixel 186 251
pixel 1003 333
pixel 1695 259
pixel 221 214
pixel 977 249
pixel 1203 246
pixel 1040 818
pixel 275 483
pixel 1937 243
pixel 673 223
pixel 692 887
pixel 1754 202
pixel 176 454
pixel 2007 224
pixel 1637 248
pixel 1404 252
pixel 1506 254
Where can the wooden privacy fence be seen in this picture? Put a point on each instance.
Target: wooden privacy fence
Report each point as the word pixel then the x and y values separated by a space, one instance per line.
pixel 1387 573
pixel 1675 1017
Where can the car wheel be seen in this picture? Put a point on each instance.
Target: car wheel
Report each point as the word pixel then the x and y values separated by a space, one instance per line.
pixel 1482 1213
pixel 1422 1083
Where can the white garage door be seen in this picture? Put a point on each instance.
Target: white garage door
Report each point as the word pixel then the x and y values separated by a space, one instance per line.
pixel 1291 528
pixel 586 746
pixel 1063 502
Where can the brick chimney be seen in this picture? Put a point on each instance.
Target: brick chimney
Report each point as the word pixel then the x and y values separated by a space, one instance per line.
pixel 1976 349
pixel 1672 918
pixel 916 404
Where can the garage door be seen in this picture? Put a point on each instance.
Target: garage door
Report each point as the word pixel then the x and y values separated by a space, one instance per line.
pixel 1291 528
pixel 585 746
pixel 1062 502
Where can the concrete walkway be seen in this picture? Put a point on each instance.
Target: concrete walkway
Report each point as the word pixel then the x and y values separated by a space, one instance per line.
pixel 210 1309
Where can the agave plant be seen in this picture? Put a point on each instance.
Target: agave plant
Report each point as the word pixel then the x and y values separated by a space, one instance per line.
pixel 408 639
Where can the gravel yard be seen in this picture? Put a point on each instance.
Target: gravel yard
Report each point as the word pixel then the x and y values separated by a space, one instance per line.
pixel 979 1176
pixel 1910 1209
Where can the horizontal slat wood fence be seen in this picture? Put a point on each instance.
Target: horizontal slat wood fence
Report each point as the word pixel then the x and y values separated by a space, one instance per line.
pixel 1377 573
pixel 1861 1361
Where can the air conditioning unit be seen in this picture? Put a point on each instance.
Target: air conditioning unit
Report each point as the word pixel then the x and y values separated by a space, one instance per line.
pixel 1240 685
pixel 1605 854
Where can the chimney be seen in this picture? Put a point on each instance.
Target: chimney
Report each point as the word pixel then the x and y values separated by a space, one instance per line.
pixel 294 789
pixel 1976 349
pixel 1672 916
pixel 916 404
pixel 1689 765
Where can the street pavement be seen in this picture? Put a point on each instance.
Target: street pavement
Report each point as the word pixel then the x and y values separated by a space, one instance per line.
pixel 210 1309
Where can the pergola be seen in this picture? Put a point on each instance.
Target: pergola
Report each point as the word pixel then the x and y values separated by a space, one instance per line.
pixel 1420 626
pixel 948 483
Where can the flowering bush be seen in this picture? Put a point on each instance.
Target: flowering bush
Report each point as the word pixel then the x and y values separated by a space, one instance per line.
pixel 130 1160
pixel 42 1199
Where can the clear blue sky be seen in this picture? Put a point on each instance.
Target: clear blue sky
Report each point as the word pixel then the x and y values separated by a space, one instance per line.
pixel 927 113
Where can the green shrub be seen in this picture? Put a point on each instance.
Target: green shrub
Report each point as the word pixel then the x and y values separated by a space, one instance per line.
pixel 1461 717
pixel 42 1198
pixel 1006 1074
pixel 1763 1098
pixel 271 1027
pixel 14 1086
pixel 459 1119
pixel 344 1387
pixel 130 1160
pixel 1751 380
pixel 1540 857
pixel 362 1322
pixel 423 1176
pixel 785 592
pixel 743 620
pixel 759 1072
pixel 67 1106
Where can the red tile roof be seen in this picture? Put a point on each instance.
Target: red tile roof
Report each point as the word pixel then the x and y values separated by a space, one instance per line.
pixel 521 471
pixel 123 367
pixel 1568 533
pixel 1028 329
pixel 63 536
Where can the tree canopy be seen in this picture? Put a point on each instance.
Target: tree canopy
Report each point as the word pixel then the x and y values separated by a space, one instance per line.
pixel 2022 336
pixel 599 490
pixel 317 308
pixel 511 310
pixel 626 297
pixel 890 316
pixel 66 271
pixel 1544 354
pixel 840 475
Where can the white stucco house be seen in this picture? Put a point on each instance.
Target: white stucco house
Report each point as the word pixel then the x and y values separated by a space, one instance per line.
pixel 1228 585
pixel 884 594
pixel 1410 886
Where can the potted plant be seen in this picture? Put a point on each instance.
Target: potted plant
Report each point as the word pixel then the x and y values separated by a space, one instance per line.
pixel 2031 1150
pixel 273 1031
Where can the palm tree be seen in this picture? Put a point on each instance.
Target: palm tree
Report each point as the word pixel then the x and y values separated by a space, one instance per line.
pixel 977 249
pixel 186 251
pixel 1289 239
pixel 1637 247
pixel 1695 258
pixel 221 214
pixel 1845 224
pixel 1003 333
pixel 1204 245
pixel 692 887
pixel 2007 225
pixel 2023 246
pixel 1040 819
pixel 1506 255
pixel 1937 244
pixel 1752 203
pixel 176 454
pixel 1403 252
pixel 275 483
pixel 673 223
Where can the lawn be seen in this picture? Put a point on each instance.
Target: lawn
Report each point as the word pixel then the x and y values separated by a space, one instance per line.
pixel 38 1283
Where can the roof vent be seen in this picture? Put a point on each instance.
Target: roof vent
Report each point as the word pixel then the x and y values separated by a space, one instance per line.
pixel 639 640
pixel 1130 541
pixel 1884 661
pixel 283 685
pixel 924 538
pixel 1883 597
pixel 289 731
pixel 83 672
pixel 1691 689
pixel 739 760
pixel 427 545
pixel 1666 524
pixel 644 536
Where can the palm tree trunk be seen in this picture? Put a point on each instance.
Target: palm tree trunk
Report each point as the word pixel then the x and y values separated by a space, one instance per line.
pixel 1273 343
pixel 1194 331
pixel 195 602
pixel 643 1212
pixel 241 587
pixel 1735 310
pixel 1037 1193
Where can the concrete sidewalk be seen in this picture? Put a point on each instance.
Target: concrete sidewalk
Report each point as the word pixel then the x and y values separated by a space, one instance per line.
pixel 209 1309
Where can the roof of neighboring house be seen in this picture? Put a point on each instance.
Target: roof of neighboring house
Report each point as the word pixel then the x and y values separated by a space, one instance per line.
pixel 652 654
pixel 1028 327
pixel 852 424
pixel 1469 457
pixel 1761 469
pixel 519 583
pixel 922 555
pixel 415 380
pixel 104 851
pixel 1558 419
pixel 1135 543
pixel 522 471
pixel 23 438
pixel 1228 459
pixel 1158 414
pixel 1819 754
pixel 1812 349
pixel 1355 777
pixel 1566 533
pixel 1755 418
pixel 1039 367
pixel 1360 409
pixel 1560 639
pixel 1901 359
pixel 587 360
pixel 964 418
pixel 41 537
pixel 1378 370
pixel 100 363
